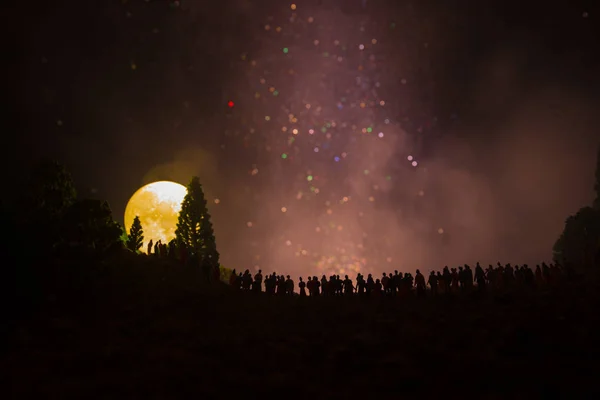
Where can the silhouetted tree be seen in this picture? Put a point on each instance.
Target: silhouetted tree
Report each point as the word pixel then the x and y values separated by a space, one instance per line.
pixel 194 229
pixel 135 239
pixel 89 224
pixel 49 195
pixel 51 190
pixel 579 243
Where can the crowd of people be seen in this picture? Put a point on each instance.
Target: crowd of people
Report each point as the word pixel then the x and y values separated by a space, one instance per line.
pixel 449 280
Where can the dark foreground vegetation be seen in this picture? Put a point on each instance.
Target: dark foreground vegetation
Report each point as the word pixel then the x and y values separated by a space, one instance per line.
pixel 140 326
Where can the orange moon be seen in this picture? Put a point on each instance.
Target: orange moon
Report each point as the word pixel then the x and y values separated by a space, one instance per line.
pixel 158 205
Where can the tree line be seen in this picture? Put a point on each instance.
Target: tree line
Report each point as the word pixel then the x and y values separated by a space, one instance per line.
pixel 61 224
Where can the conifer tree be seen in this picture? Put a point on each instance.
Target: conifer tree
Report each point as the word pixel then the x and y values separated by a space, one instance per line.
pixel 135 239
pixel 194 229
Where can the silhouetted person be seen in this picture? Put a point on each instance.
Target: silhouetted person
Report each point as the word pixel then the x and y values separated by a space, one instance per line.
pixel 479 277
pixel 150 247
pixel 289 286
pixel 238 281
pixel 246 280
pixel 454 274
pixel 392 283
pixel 280 291
pixel 316 285
pixel 385 282
pixel 440 282
pixel 172 249
pixel 258 279
pixel 332 285
pixel 433 283
pixel 462 278
pixel 361 284
pixel 157 248
pixel 420 284
pixel 468 277
pixel 338 285
pixel 302 287
pixel 348 287
pixel 232 278
pixel 324 286
pixel 491 276
pixel 377 288
pixel 270 284
pixel 370 284
pixel 447 280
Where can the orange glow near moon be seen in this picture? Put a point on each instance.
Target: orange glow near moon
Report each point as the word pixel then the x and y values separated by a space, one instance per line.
pixel 158 205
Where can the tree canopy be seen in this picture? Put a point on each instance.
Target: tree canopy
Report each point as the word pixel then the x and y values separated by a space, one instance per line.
pixel 89 224
pixel 135 238
pixel 49 193
pixel 194 228
pixel 579 243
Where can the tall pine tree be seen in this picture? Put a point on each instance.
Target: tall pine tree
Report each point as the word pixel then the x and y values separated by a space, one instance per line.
pixel 194 229
pixel 135 239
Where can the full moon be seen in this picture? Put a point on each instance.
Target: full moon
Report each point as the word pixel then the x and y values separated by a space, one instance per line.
pixel 158 205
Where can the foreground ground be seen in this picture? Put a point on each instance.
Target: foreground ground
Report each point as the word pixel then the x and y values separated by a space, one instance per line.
pixel 109 342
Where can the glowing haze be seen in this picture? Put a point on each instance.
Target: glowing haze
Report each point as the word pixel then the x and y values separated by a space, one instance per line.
pixel 158 205
pixel 331 156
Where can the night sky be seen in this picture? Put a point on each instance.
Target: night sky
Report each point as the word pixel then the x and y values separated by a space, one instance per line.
pixel 329 135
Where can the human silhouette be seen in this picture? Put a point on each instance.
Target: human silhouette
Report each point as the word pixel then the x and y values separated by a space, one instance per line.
pixel 385 282
pixel 338 285
pixel 324 286
pixel 454 273
pixel 348 287
pixel 447 279
pixel 377 288
pixel 246 280
pixel 172 250
pixel 370 284
pixel 362 285
pixel 150 247
pixel 316 286
pixel 281 287
pixel 232 278
pixel 433 283
pixel 258 279
pixel 468 277
pixel 479 277
pixel 289 286
pixel 420 284
pixel 302 287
